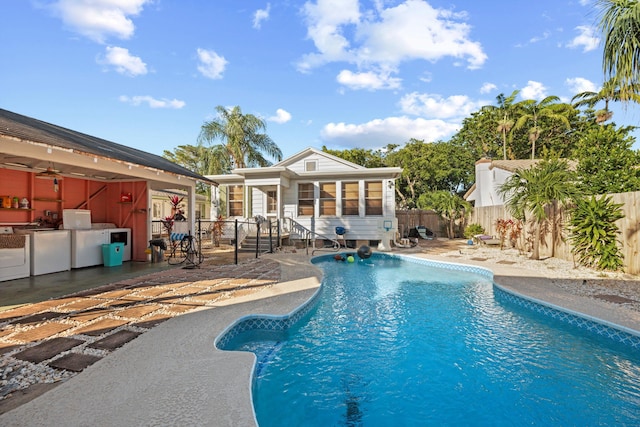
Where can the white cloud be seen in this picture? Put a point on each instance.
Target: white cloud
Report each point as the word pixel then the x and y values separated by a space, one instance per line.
pixel 123 61
pixel 326 20
pixel 578 84
pixel 282 116
pixel 152 102
pixel 261 15
pixel 391 130
pixel 488 87
pixel 545 35
pixel 368 80
pixel 533 90
pixel 435 106
pixel 383 38
pixel 211 64
pixel 587 39
pixel 101 19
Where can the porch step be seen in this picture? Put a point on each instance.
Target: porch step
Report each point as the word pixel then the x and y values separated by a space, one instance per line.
pixel 250 242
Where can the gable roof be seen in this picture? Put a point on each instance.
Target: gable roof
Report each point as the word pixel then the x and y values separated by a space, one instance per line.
pixel 30 130
pixel 310 150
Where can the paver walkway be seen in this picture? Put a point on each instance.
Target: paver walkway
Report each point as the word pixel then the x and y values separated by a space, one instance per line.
pixel 65 335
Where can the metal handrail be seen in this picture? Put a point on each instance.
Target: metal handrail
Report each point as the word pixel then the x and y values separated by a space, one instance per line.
pixel 307 234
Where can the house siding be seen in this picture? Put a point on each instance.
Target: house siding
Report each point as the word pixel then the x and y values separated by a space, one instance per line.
pixel 290 173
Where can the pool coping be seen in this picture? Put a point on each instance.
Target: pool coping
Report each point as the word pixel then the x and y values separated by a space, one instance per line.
pixel 165 376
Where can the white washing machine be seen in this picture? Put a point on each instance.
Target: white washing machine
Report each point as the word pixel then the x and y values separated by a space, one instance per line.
pixel 120 235
pixel 14 255
pixel 86 247
pixel 50 250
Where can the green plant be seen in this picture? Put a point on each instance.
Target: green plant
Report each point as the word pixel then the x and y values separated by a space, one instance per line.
pixel 594 233
pixel 473 230
pixel 216 230
pixel 508 228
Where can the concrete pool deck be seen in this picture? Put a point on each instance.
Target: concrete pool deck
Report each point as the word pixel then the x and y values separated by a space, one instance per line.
pixel 173 375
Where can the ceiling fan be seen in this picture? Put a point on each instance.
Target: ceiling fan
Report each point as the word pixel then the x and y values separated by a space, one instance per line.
pixel 50 173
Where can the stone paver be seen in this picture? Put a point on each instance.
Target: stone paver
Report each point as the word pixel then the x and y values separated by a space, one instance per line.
pixel 115 340
pixel 20 312
pixel 41 332
pixel 114 294
pixel 47 349
pixel 87 317
pixel 182 307
pixel 38 318
pixel 74 362
pixel 81 304
pixel 152 321
pixel 100 327
pixel 139 311
pixel 153 291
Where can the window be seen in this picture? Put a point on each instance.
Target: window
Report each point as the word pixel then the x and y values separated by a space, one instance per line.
pixel 157 211
pixel 272 201
pixel 235 200
pixel 200 210
pixel 373 197
pixel 305 199
pixel 310 165
pixel 350 196
pixel 328 198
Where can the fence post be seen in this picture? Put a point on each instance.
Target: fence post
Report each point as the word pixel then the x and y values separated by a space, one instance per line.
pixel 236 241
pixel 199 237
pixel 257 238
pixel 270 238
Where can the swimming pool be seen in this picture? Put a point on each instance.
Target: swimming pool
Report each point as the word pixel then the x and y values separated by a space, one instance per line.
pixel 392 341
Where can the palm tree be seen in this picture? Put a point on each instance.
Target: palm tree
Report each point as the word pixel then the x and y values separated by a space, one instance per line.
pixel 202 160
pixel 450 206
pixel 620 26
pixel 533 112
pixel 243 142
pixel 533 190
pixel 608 92
pixel 505 110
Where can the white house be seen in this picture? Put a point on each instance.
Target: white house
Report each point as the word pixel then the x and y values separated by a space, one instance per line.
pixel 161 205
pixel 315 190
pixel 490 175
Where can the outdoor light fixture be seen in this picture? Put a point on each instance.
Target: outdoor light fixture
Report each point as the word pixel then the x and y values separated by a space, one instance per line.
pixel 51 174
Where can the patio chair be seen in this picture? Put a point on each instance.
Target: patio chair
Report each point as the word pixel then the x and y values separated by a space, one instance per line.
pixel 484 239
pixel 422 232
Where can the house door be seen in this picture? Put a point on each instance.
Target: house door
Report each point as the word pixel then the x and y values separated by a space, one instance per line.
pixel 272 204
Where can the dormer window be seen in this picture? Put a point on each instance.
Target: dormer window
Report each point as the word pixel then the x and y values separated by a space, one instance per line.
pixel 310 165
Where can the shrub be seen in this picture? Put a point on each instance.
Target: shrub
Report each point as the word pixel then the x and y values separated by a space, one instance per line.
pixel 472 230
pixel 594 233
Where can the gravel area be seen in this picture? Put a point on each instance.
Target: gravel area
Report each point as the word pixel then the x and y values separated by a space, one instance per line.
pixel 577 280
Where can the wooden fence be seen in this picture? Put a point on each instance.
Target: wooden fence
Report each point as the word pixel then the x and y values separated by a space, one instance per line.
pixel 629 230
pixel 408 219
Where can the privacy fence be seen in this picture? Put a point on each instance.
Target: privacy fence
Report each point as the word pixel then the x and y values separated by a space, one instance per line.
pixel 556 243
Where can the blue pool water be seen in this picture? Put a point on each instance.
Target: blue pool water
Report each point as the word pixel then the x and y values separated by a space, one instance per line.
pixel 391 342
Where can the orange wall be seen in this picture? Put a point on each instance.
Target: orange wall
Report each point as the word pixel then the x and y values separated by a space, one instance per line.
pixel 101 198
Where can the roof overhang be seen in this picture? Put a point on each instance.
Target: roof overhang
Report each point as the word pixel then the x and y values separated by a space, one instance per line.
pixel 30 156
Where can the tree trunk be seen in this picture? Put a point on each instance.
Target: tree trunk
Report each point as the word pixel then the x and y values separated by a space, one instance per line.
pixel 536 242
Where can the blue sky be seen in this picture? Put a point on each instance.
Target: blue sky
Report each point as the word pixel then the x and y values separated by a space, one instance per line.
pixel 340 73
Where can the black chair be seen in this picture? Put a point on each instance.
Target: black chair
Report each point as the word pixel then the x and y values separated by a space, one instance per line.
pixel 422 232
